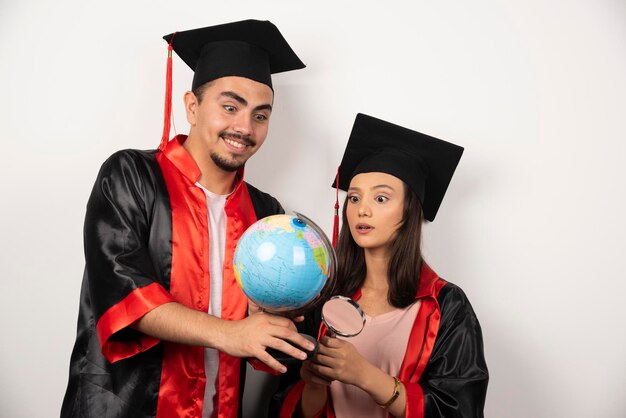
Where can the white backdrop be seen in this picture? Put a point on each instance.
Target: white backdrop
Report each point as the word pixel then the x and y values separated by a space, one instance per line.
pixel 532 227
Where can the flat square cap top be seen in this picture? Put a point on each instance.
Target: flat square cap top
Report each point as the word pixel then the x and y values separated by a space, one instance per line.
pixel 250 48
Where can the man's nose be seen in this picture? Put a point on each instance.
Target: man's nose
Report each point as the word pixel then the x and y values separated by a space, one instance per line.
pixel 243 124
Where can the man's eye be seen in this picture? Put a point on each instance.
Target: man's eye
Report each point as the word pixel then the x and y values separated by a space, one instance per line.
pixel 260 118
pixel 230 108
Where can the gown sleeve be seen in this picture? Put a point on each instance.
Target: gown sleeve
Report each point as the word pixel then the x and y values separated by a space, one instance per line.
pixel 121 276
pixel 454 382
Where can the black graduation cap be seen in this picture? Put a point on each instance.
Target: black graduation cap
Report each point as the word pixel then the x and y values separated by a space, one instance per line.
pixel 250 48
pixel 424 163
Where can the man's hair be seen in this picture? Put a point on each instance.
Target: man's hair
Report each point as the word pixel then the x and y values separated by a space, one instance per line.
pixel 199 91
pixel 405 261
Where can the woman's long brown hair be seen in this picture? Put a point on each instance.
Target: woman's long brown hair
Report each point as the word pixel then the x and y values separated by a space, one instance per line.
pixel 405 259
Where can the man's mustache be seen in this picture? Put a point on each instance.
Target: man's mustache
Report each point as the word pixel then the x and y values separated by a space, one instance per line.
pixel 242 138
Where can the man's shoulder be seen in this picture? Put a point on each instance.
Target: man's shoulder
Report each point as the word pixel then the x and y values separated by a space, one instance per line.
pixel 131 156
pixel 264 203
pixel 254 190
pixel 126 160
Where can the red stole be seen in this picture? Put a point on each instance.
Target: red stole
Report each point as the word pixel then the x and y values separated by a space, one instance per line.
pixel 183 378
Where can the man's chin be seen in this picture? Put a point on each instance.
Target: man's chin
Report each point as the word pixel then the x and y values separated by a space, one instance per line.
pixel 226 164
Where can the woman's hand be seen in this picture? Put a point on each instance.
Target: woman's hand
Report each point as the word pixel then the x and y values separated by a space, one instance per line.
pixel 339 360
pixel 310 377
pixel 315 393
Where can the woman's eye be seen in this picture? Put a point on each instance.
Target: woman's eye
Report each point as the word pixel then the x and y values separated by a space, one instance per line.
pixel 381 199
pixel 353 199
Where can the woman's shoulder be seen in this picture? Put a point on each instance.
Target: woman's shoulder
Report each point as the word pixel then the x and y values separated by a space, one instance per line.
pixel 453 302
pixel 451 291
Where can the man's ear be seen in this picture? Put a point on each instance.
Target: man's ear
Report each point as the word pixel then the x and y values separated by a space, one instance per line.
pixel 191 107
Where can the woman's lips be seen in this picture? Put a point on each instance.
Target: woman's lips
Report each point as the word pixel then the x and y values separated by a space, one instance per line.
pixel 364 228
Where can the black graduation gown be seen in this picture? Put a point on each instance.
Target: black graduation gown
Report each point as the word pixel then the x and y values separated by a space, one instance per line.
pixel 144 213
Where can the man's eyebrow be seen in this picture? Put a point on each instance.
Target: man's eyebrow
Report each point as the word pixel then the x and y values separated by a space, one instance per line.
pixel 244 102
pixel 235 96
pixel 263 107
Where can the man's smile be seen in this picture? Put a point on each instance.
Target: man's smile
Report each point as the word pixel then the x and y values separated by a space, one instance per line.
pixel 236 143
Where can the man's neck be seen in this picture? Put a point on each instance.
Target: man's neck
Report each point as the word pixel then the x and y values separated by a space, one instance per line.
pixel 217 180
pixel 212 178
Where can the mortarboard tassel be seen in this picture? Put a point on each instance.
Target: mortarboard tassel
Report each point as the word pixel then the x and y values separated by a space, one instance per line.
pixel 168 97
pixel 336 217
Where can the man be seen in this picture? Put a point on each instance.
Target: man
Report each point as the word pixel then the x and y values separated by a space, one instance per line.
pixel 160 231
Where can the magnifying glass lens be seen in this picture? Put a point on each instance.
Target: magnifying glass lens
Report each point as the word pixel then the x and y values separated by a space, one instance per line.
pixel 343 316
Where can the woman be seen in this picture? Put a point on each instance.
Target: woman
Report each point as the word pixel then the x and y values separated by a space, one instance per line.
pixel 420 353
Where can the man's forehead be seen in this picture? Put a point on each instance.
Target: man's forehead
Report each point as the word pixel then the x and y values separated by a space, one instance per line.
pixel 249 91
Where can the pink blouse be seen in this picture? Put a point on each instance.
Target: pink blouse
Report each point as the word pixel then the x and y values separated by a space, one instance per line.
pixel 383 343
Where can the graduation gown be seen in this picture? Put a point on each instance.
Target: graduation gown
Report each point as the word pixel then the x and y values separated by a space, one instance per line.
pixel 443 371
pixel 146 244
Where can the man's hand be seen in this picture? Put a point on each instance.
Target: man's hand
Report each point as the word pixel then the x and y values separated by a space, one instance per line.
pixel 248 337
pixel 251 336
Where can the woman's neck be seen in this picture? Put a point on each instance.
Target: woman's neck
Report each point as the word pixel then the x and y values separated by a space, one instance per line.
pixel 377 268
pixel 375 289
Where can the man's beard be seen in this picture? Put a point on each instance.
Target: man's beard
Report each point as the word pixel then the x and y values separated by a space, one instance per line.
pixel 225 164
pixel 234 164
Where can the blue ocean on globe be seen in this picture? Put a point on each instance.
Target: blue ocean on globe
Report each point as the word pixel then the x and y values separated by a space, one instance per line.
pixel 281 262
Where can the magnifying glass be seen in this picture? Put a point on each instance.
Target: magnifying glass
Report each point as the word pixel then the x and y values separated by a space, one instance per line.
pixel 343 316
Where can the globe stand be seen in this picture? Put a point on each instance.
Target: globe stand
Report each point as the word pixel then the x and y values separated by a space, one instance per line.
pixel 286 359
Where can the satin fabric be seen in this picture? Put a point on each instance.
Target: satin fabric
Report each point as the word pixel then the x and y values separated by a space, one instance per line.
pixel 443 371
pixel 146 243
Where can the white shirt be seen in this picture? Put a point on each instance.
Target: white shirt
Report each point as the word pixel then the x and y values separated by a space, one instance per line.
pixel 217 243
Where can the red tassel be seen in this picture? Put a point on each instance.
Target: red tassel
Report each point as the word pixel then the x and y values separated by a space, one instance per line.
pixel 168 98
pixel 336 217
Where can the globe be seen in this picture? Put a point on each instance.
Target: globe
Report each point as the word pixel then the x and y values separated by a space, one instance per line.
pixel 282 262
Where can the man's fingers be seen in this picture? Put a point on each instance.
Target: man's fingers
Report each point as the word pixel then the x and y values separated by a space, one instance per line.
pixel 301 341
pixel 271 362
pixel 293 337
pixel 283 346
